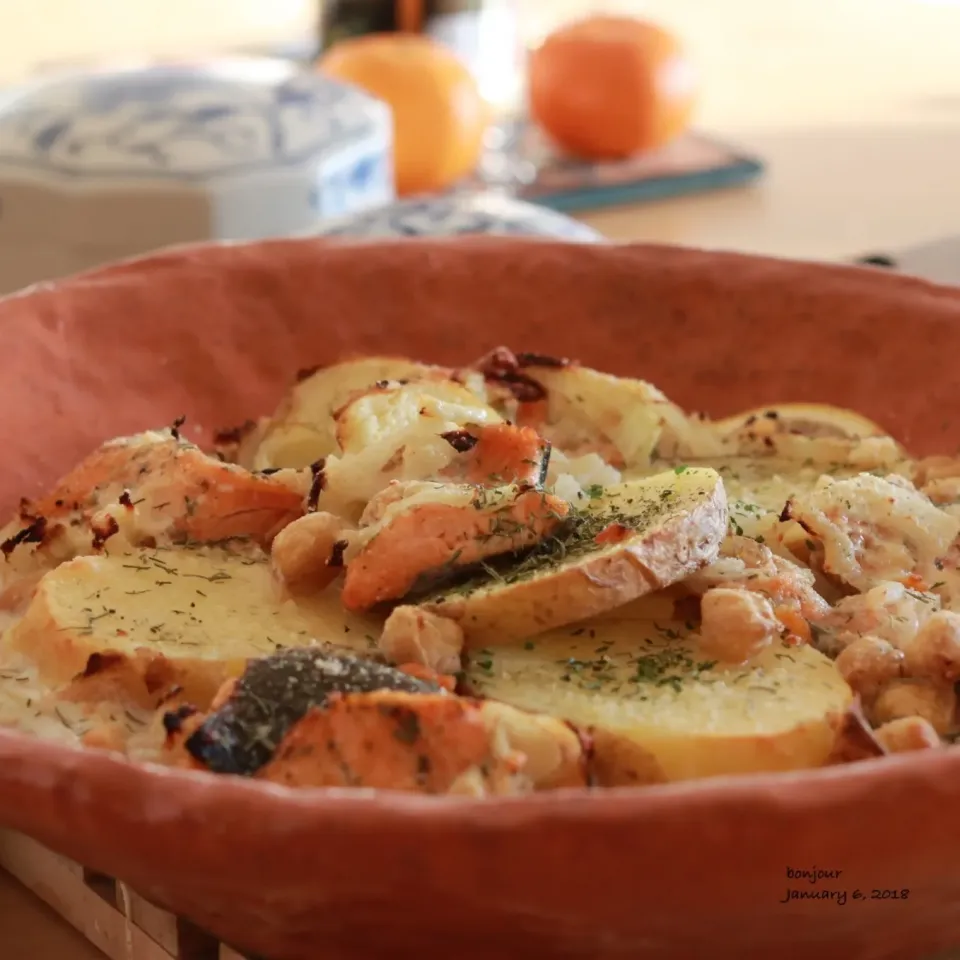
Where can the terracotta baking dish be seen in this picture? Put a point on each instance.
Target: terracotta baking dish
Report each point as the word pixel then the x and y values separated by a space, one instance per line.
pixel 687 871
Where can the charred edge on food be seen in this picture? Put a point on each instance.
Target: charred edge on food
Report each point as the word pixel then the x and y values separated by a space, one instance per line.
pixel 231 436
pixel 787 514
pixel 854 739
pixel 316 485
pixel 546 449
pixel 275 693
pixel 524 388
pixel 176 425
pixel 525 359
pixel 501 366
pixel 126 500
pixel 99 662
pixel 33 533
pixel 173 719
pixel 336 554
pixel 497 362
pixel 25 510
pixel 407 729
pixel 461 440
pixel 587 752
pixel 102 532
pixel 304 373
pixel 170 694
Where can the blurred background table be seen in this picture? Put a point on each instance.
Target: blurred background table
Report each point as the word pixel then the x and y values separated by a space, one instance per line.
pixel 854 104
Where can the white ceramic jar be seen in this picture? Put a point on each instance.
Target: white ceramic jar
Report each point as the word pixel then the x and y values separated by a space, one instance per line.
pixel 104 165
pixel 483 211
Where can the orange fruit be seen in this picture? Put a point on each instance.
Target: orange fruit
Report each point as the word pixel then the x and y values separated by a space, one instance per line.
pixel 439 115
pixel 608 87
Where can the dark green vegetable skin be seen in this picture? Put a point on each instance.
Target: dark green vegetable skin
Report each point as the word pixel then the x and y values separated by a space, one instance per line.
pixel 275 693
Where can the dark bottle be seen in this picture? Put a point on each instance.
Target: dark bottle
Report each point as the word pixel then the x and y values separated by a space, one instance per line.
pixel 350 18
pixel 483 33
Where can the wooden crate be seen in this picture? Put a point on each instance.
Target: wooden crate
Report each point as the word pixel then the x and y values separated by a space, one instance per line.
pixel 114 918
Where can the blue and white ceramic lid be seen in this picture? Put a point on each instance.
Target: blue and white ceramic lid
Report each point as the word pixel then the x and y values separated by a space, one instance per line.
pixel 459 213
pixel 182 121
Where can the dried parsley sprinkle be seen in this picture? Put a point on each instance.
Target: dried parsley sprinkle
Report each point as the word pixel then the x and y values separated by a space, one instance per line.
pixel 573 538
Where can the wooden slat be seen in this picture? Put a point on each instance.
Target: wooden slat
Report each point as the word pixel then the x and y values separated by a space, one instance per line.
pixel 228 953
pixel 114 918
pixel 157 924
pixel 60 883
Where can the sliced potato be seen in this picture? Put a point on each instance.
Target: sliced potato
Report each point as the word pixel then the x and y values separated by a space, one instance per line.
pixel 635 538
pixel 660 710
pixel 810 432
pixel 301 431
pixel 624 420
pixel 810 419
pixel 385 412
pixel 198 607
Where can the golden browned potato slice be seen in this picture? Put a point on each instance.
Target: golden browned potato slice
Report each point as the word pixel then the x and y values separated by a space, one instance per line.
pixel 302 429
pixel 634 538
pixel 624 420
pixel 202 608
pixel 810 432
pixel 659 709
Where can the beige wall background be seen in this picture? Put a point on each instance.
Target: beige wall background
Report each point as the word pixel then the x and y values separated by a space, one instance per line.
pixel 765 62
pixel 855 104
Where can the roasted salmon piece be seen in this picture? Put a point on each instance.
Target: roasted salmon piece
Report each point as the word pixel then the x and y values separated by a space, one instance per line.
pixel 496 454
pixel 439 528
pixel 177 491
pixel 425 743
pixel 251 715
pixel 311 717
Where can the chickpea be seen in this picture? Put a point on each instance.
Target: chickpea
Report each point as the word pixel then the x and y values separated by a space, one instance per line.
pixel 935 468
pixel 301 551
pixel 867 663
pixel 934 652
pixel 934 702
pixel 907 733
pixel 412 635
pixel 109 736
pixel 736 624
pixel 943 491
pixel 554 755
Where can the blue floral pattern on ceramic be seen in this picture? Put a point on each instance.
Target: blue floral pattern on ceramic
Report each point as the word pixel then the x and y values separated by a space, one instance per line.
pixel 489 213
pixel 188 121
